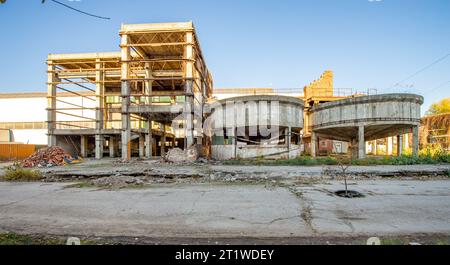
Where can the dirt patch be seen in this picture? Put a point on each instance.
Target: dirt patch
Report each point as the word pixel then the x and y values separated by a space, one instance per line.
pixel 423 239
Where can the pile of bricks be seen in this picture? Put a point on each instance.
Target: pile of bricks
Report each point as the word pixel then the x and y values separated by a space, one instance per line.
pixel 45 157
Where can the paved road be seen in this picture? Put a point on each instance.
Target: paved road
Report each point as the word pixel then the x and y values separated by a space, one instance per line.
pixel 390 207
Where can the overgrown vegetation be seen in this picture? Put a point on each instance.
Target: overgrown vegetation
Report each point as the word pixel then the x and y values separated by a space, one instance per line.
pixel 18 173
pixel 429 155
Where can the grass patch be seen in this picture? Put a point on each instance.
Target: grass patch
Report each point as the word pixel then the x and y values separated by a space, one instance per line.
pixel 393 242
pixel 13 239
pixel 17 173
pixel 16 239
pixel 299 161
pixel 425 157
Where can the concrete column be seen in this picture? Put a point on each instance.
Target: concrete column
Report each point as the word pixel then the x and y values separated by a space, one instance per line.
pixel 406 141
pixel 148 140
pixel 125 93
pixel 84 146
pixel 361 143
pixel 375 147
pixel 313 144
pixel 112 146
pixel 51 104
pixel 148 83
pixel 189 88
pixel 98 146
pixel 288 140
pixel 399 145
pixel 163 144
pixel 99 96
pixel 415 141
pixel 141 145
pixel 389 146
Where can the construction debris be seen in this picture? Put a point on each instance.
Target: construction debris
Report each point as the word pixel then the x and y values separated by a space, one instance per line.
pixel 47 157
pixel 177 155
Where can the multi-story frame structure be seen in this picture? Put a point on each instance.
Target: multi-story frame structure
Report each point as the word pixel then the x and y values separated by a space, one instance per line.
pixel 132 97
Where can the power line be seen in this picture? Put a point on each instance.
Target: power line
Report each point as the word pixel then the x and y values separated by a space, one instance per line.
pixel 77 10
pixel 423 69
pixel 439 86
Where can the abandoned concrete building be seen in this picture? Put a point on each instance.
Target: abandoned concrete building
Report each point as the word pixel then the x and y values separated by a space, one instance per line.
pixel 256 126
pixel 130 96
pixel 156 93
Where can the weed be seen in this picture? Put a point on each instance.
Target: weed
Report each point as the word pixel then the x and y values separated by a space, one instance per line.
pixel 17 173
pixel 16 239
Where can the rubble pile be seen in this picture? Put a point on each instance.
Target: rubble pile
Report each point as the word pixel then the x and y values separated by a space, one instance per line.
pixel 45 157
pixel 117 181
pixel 176 155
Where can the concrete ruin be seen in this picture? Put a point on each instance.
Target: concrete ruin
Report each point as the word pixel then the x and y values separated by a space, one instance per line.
pixel 256 126
pixel 156 94
pixel 367 118
pixel 130 97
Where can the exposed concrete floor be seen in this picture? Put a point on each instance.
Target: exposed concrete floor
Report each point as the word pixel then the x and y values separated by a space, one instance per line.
pixel 107 167
pixel 391 207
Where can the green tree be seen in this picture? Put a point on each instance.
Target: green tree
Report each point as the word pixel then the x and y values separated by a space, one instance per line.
pixel 440 107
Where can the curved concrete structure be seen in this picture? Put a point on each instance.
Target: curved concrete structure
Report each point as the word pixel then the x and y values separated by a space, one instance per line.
pixel 255 126
pixel 366 118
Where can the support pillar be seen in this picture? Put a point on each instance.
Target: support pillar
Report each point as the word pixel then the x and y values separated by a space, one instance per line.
pixel 399 145
pixel 112 146
pixel 125 93
pixel 313 144
pixel 361 143
pixel 148 141
pixel 389 146
pixel 288 140
pixel 415 141
pixel 98 146
pixel 375 147
pixel 51 103
pixel 141 145
pixel 163 144
pixel 189 89
pixel 84 146
pixel 99 97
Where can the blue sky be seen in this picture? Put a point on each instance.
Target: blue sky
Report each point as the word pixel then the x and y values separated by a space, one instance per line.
pixel 250 43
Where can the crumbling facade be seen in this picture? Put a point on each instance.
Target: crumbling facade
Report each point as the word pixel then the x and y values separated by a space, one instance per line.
pixel 256 126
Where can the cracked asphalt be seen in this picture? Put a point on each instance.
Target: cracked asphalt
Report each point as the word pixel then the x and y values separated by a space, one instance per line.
pixel 390 207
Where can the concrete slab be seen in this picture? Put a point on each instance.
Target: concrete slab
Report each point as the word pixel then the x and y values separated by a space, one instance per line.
pixel 390 207
pixel 186 211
